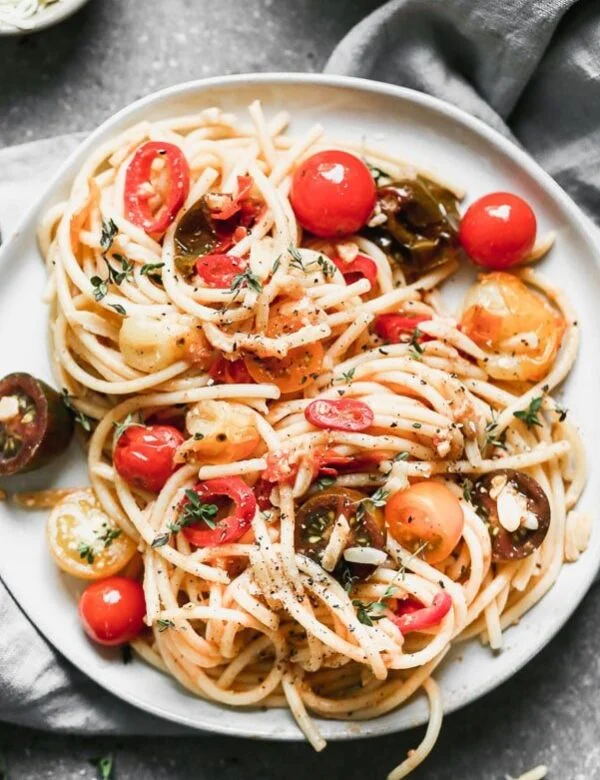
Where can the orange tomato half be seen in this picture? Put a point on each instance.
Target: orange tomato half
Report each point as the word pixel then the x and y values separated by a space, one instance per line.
pixel 299 368
pixel 517 327
pixel 427 517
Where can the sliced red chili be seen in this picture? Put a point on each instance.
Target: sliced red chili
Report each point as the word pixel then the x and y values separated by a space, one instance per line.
pixel 220 270
pixel 138 193
pixel 344 414
pixel 361 267
pixel 231 204
pixel 391 327
pixel 421 618
pixel 230 528
pixel 331 463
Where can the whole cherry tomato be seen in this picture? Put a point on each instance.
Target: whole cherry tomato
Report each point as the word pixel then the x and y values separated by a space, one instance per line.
pixel 426 517
pixel 112 610
pixel 144 454
pixel 333 193
pixel 498 230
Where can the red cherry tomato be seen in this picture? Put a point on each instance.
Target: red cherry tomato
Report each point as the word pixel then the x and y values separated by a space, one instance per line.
pixel 112 610
pixel 230 528
pixel 220 270
pixel 333 193
pixel 137 177
pixel 498 230
pixel 143 455
pixel 279 469
pixel 360 268
pixel 411 615
pixel 330 463
pixel 345 414
pixel 391 327
pixel 262 493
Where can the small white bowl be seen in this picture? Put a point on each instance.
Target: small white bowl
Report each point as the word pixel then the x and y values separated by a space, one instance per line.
pixel 46 17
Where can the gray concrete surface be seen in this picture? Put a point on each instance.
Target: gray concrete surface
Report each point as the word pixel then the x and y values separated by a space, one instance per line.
pixel 71 78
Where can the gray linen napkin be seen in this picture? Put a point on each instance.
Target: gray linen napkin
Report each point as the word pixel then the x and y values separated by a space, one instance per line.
pixel 527 67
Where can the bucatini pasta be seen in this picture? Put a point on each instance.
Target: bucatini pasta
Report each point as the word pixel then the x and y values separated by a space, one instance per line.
pixel 320 475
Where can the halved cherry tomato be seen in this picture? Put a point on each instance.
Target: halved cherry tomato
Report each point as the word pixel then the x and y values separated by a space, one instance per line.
pixel 230 372
pixel 112 610
pixel 220 270
pixel 144 455
pixel 316 518
pixel 333 193
pixel 360 268
pixel 391 327
pixel 84 541
pixel 230 528
pixel 138 193
pixel 498 230
pixel 428 517
pixel 519 329
pixel 342 414
pixel 408 618
pixel 299 368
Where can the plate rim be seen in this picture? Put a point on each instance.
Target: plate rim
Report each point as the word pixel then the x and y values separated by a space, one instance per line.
pixel 43 19
pixel 480 128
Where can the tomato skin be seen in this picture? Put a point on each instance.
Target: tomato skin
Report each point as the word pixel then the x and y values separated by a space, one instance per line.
pixel 361 267
pixel 343 414
pixel 220 270
pixel 112 610
pixel 391 327
pixel 426 512
pixel 137 175
pixel 299 368
pixel 333 193
pixel 498 230
pixel 144 454
pixel 411 615
pixel 230 372
pixel 232 527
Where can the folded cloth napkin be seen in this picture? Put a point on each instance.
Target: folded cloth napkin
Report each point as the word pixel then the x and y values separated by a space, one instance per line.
pixel 527 68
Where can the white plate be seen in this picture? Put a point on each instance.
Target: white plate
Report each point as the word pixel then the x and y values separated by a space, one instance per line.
pixel 418 128
pixel 46 17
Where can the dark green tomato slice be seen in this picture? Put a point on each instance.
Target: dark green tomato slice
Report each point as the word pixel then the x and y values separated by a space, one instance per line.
pixel 41 430
pixel 421 230
pixel 195 236
pixel 316 518
pixel 506 545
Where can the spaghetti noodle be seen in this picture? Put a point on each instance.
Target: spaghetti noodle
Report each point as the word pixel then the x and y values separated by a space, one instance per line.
pixel 285 376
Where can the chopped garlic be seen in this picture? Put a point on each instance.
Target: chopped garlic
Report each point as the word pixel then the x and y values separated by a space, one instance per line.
pixel 9 408
pixel 368 555
pixel 347 251
pixel 513 511
pixel 498 484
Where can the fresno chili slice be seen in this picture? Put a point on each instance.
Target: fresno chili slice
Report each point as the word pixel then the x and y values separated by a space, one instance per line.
pixel 391 327
pixel 411 615
pixel 231 205
pixel 361 267
pixel 344 414
pixel 230 528
pixel 220 270
pixel 138 192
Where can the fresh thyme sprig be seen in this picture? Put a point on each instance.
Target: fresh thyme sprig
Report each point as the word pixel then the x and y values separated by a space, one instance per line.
pixel 530 415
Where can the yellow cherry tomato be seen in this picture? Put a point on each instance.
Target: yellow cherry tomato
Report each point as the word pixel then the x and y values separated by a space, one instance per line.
pixel 518 328
pixel 84 541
